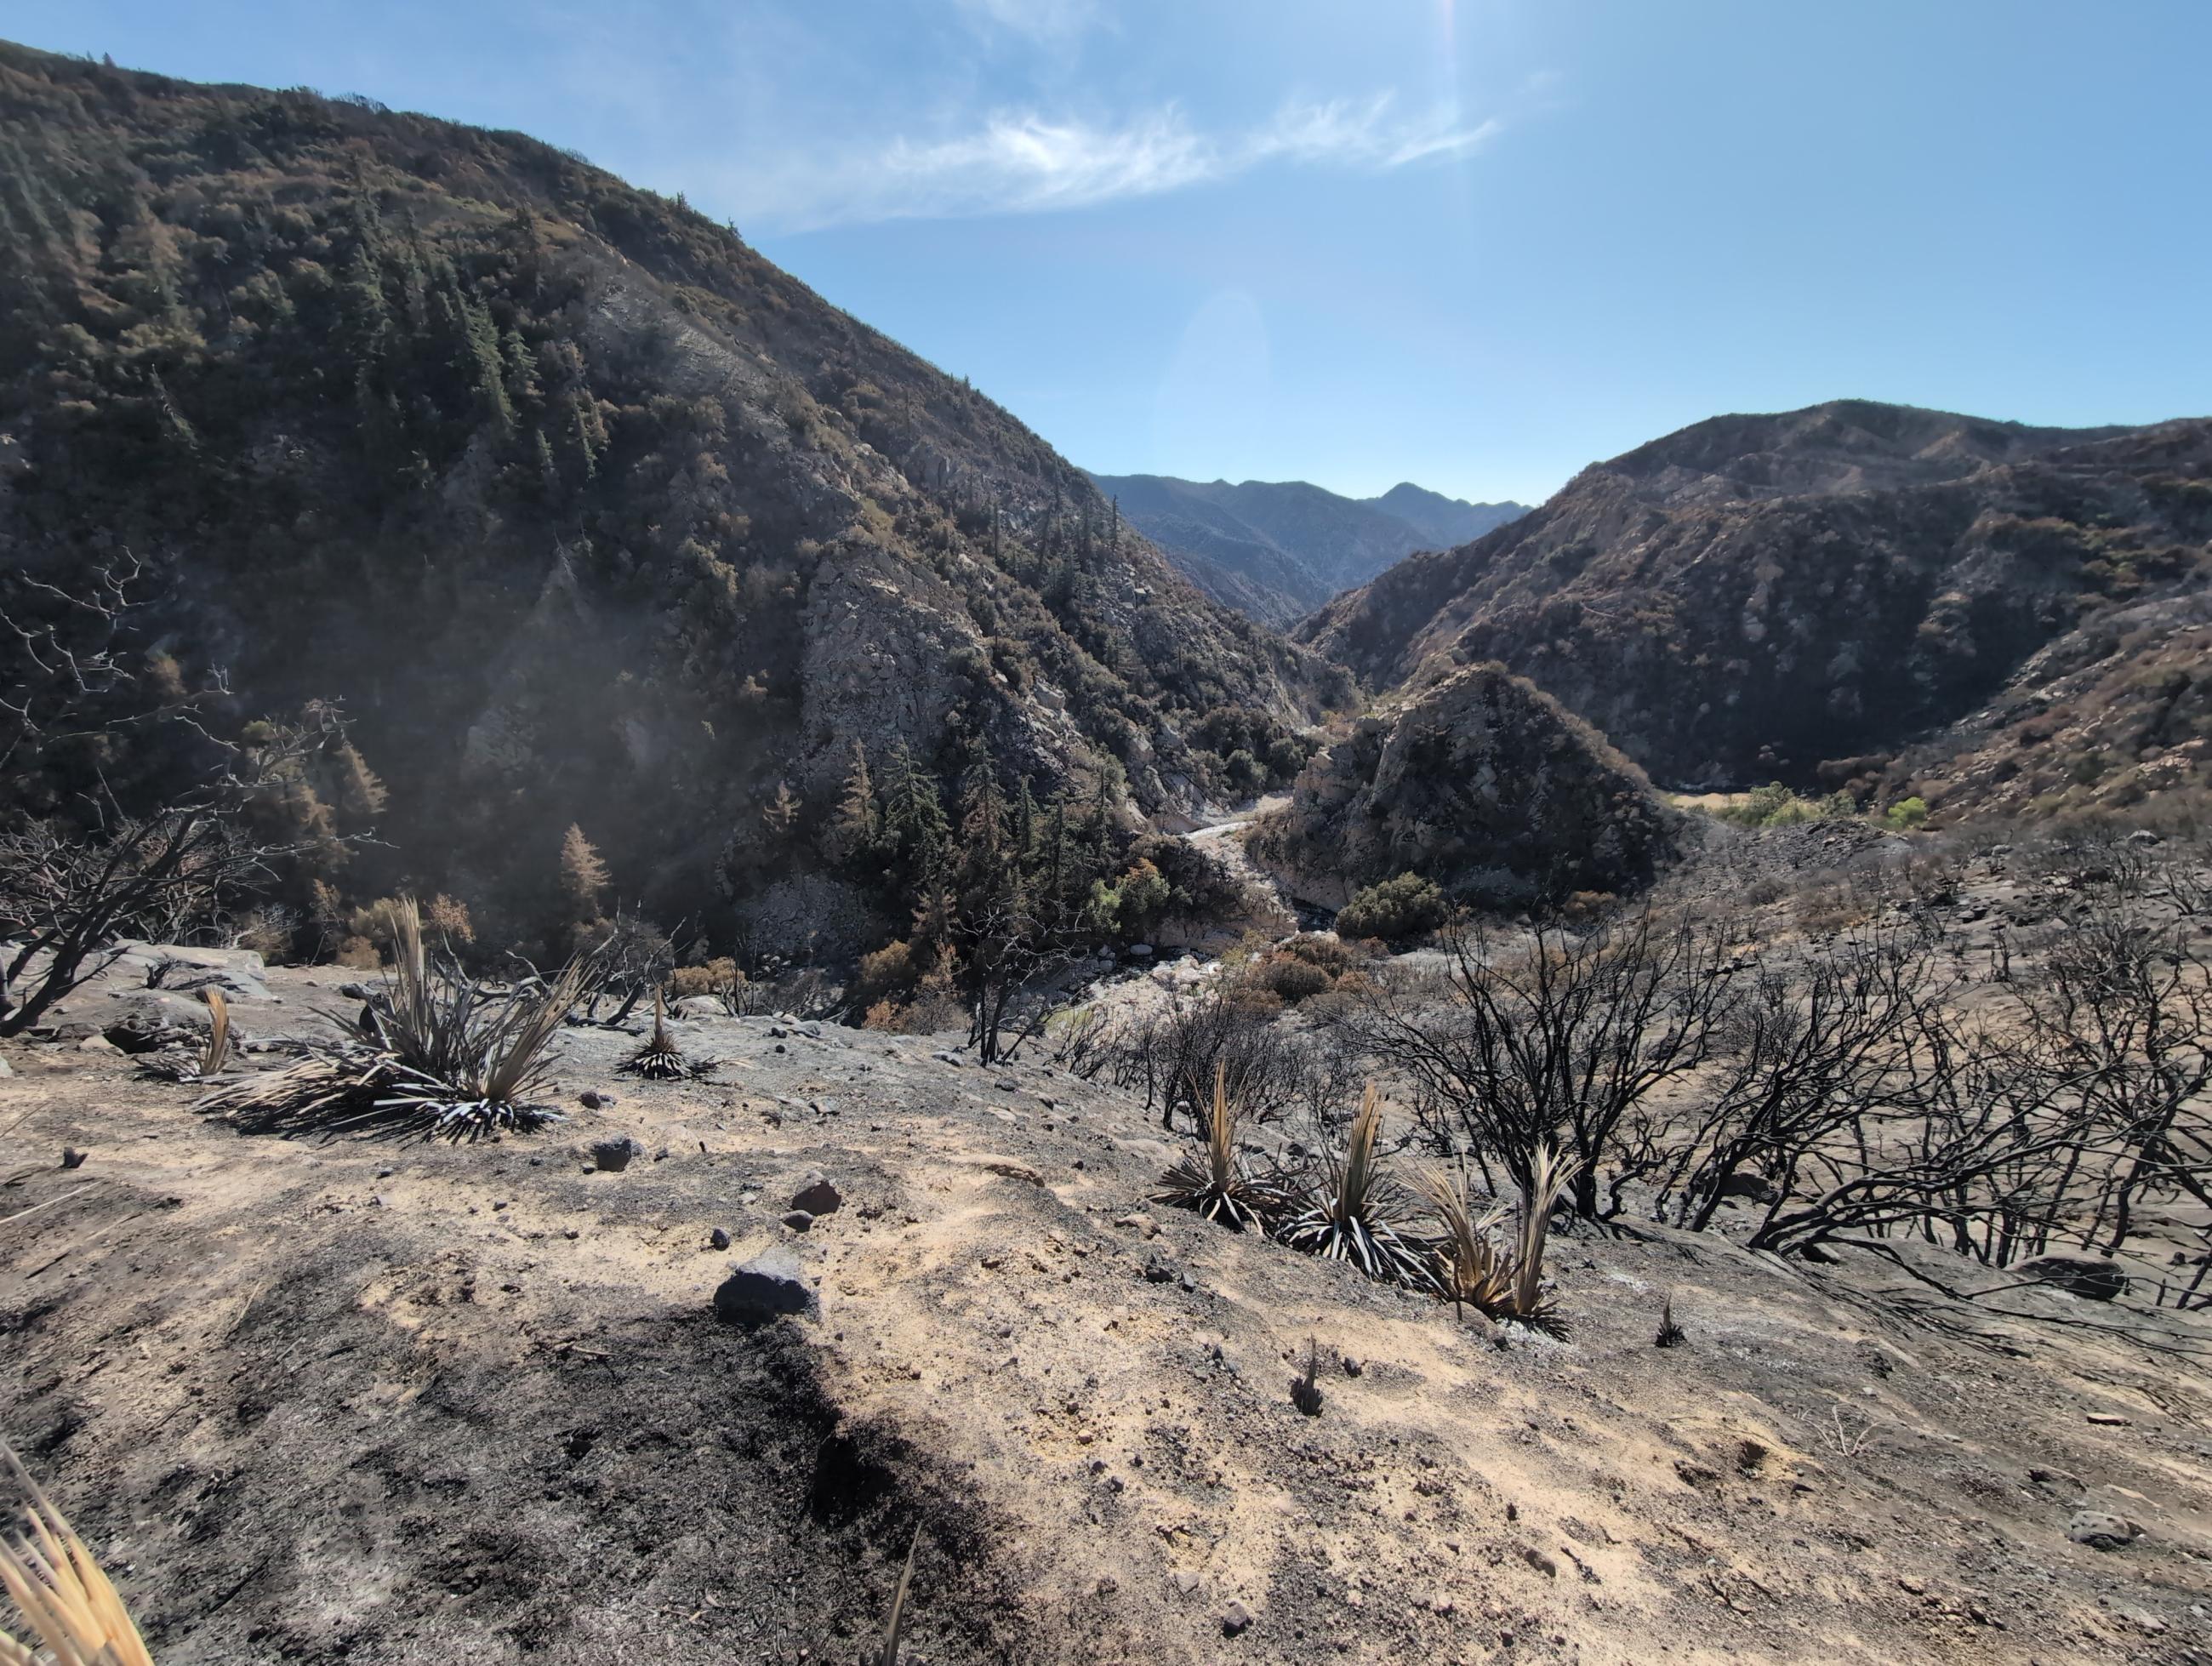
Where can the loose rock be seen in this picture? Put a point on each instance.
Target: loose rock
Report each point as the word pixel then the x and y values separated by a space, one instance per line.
pixel 1236 1619
pixel 2098 1280
pixel 613 1156
pixel 815 1195
pixel 768 1286
pixel 2101 1530
pixel 799 1220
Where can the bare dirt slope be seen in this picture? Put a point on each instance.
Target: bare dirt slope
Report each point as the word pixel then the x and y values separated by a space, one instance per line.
pixel 347 1397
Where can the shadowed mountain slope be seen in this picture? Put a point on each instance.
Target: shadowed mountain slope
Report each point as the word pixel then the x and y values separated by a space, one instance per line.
pixel 583 510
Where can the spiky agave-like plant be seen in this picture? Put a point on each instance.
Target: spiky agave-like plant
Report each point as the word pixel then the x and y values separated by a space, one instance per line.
pixel 214 1055
pixel 660 1060
pixel 1215 1180
pixel 431 1053
pixel 501 1069
pixel 1469 1265
pixel 72 1607
pixel 1357 1217
pixel 1548 1175
pixel 1469 1269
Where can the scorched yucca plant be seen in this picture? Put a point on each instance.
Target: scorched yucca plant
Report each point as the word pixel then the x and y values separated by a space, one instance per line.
pixel 1357 1217
pixel 431 1052
pixel 1215 1182
pixel 660 1060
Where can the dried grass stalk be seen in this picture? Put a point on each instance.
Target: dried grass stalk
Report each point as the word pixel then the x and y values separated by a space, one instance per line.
pixel 61 1591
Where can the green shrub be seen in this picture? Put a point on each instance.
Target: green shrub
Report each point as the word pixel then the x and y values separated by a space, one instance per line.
pixel 1776 806
pixel 1908 813
pixel 1395 910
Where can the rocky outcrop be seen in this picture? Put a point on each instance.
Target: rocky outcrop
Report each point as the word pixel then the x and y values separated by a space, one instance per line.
pixel 1477 780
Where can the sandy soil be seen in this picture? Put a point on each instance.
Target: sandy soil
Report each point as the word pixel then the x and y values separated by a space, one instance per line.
pixel 362 1398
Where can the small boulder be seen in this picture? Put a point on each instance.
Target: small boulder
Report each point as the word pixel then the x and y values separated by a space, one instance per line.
pixel 613 1156
pixel 768 1286
pixel 799 1220
pixel 2098 1280
pixel 1236 1619
pixel 592 1099
pixel 2145 838
pixel 1160 1268
pixel 815 1195
pixel 718 1238
pixel 2101 1530
pixel 1753 1188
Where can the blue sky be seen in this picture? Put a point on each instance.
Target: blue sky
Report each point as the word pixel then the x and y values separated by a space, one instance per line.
pixel 1475 244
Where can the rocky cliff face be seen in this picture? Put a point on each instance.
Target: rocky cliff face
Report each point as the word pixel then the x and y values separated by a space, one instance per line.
pixel 1276 550
pixel 582 510
pixel 1756 597
pixel 1477 780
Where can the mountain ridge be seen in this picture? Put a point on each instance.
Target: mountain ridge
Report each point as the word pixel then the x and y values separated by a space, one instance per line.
pixel 1276 550
pixel 1788 595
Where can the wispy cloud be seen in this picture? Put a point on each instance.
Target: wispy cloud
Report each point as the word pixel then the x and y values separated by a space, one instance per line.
pixel 1021 162
pixel 1037 20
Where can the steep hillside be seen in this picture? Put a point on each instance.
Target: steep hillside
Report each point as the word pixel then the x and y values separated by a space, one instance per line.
pixel 581 510
pixel 1477 780
pixel 1758 597
pixel 1277 549
pixel 2113 717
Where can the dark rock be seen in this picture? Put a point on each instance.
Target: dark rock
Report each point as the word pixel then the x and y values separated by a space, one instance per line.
pixel 592 1099
pixel 2101 1530
pixel 2098 1280
pixel 816 1196
pixel 718 1238
pixel 768 1286
pixel 1757 1188
pixel 72 1158
pixel 1236 1619
pixel 140 1034
pixel 613 1156
pixel 1160 1267
pixel 799 1220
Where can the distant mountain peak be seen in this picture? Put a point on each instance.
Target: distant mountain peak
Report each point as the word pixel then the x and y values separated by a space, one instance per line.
pixel 1276 550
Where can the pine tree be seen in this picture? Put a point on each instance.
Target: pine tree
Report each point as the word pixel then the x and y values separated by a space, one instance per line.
pixel 856 830
pixel 1025 826
pixel 360 794
pixel 583 877
pixel 983 811
pixel 915 825
pixel 782 812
